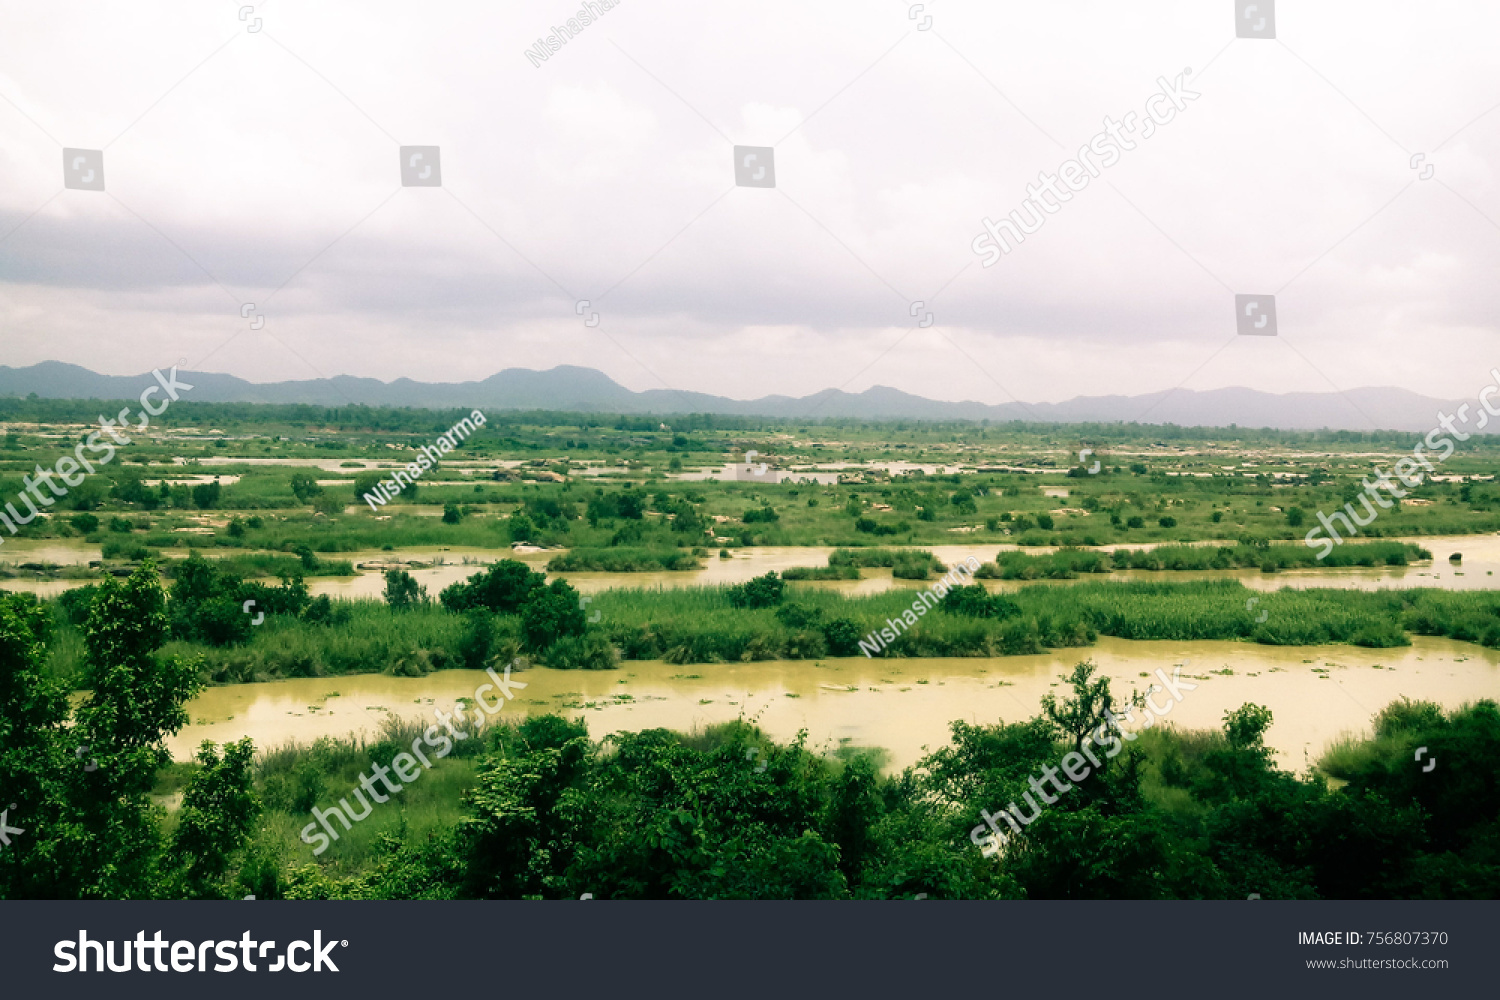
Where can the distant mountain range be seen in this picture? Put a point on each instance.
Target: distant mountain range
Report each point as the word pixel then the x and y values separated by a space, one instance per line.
pixel 584 389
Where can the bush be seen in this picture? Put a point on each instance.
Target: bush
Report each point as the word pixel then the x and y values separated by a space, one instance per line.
pixel 206 495
pixel 325 505
pixel 452 514
pixel 503 588
pixel 843 637
pixel 974 601
pixel 305 487
pixel 84 523
pixel 590 651
pixel 1044 521
pixel 1167 522
pixel 798 615
pixel 761 592
pixel 764 515
pixel 520 528
pixel 551 613
pixel 402 590
pixel 912 565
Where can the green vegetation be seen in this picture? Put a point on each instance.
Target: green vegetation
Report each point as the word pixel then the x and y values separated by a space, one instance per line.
pixel 510 610
pixel 622 560
pixel 540 810
pixel 841 572
pixel 1066 564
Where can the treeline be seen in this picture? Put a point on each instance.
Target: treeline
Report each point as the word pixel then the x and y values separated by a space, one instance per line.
pixel 390 419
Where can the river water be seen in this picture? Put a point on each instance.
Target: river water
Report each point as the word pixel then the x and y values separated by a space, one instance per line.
pixel 902 706
pixel 1481 561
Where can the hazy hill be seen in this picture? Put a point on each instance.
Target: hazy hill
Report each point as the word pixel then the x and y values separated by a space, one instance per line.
pixel 567 387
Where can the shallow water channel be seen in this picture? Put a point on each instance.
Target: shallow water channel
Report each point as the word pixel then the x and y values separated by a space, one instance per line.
pixel 1481 563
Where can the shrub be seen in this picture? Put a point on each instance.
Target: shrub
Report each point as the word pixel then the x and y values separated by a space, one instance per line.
pixel 402 590
pixel 325 505
pixel 84 523
pixel 551 613
pixel 206 495
pixel 912 565
pixel 590 651
pixel 1167 522
pixel 843 637
pixel 761 592
pixel 974 601
pixel 503 588
pixel 305 487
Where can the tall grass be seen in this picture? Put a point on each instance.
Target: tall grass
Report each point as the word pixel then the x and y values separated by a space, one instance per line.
pixel 700 625
pixel 294 778
pixel 1069 563
pixel 623 559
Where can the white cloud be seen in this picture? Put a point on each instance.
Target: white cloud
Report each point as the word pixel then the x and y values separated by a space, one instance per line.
pixel 601 169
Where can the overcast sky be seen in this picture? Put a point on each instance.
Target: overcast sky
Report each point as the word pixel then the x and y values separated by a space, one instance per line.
pixel 263 167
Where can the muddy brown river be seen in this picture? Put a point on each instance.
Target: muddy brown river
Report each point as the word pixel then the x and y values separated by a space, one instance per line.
pixel 902 706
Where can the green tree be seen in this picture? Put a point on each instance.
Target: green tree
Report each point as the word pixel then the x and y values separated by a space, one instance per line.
pixel 503 588
pixel 206 495
pixel 551 613
pixel 305 487
pixel 402 590
pixel 218 809
pixel 135 701
pixel 761 592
